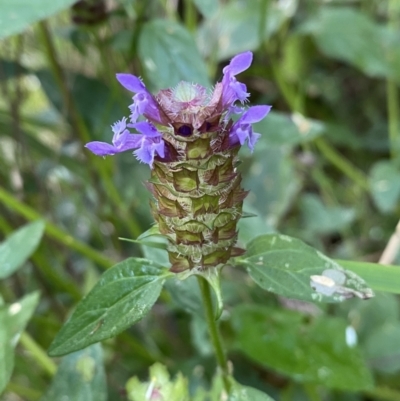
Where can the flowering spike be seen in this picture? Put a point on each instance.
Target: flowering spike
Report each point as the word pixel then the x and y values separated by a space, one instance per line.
pixel 192 151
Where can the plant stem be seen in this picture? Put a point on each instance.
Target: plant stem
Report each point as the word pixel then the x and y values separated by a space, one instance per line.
pixel 214 332
pixel 38 354
pixel 295 103
pixel 82 131
pixel 190 16
pixel 53 231
pixel 392 95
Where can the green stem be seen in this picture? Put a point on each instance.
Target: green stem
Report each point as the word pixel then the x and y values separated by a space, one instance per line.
pixel 296 104
pixel 214 332
pixel 392 95
pixel 82 131
pixel 38 354
pixel 24 392
pixel 53 231
pixel 342 163
pixel 190 16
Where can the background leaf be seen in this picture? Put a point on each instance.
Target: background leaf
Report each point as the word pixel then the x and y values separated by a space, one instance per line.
pixel 17 248
pixel 80 377
pixel 13 319
pixel 169 55
pixel 17 15
pixel 245 393
pixel 309 351
pixel 124 294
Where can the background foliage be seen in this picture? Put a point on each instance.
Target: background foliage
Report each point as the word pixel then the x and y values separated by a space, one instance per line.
pixel 326 170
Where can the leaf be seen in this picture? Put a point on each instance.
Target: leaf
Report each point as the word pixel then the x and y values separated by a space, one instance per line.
pixel 382 347
pixel 245 393
pixel 348 35
pixel 281 129
pixel 272 181
pixel 19 246
pixel 124 294
pixel 379 277
pixel 288 267
pixel 80 377
pixel 19 314
pixel 236 27
pixel 17 15
pixel 6 352
pixel 10 69
pixel 13 319
pixel 322 219
pixel 207 7
pixel 385 186
pixel 314 352
pixel 169 55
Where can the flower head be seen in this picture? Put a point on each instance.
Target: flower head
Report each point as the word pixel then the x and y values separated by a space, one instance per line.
pixel 191 145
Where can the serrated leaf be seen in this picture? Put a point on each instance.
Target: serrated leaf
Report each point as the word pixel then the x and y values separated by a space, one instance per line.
pixel 169 55
pixel 288 267
pixel 309 352
pixel 17 15
pixel 385 186
pixel 17 248
pixel 80 377
pixel 124 294
pixel 245 393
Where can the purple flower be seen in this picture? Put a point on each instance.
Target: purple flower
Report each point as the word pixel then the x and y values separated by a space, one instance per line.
pixel 148 143
pixel 233 90
pixel 242 129
pixel 143 102
pixel 122 140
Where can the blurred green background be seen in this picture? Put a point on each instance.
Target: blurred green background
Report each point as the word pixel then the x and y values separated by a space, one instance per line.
pixel 326 170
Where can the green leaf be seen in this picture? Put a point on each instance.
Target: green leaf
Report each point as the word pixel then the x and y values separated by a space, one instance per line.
pixel 6 351
pixel 207 7
pixel 11 69
pixel 13 319
pixel 379 277
pixel 385 186
pixel 272 181
pixel 20 312
pixel 281 129
pixel 245 393
pixel 17 15
pixel 314 352
pixel 80 377
pixel 348 35
pixel 169 55
pixel 18 247
pixel 382 347
pixel 322 219
pixel 124 294
pixel 288 267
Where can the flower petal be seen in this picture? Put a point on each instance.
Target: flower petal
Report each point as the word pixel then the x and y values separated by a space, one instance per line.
pixel 147 129
pixel 131 82
pixel 239 63
pixel 242 130
pixel 101 148
pixel 254 114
